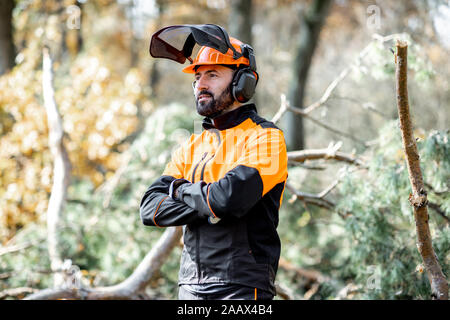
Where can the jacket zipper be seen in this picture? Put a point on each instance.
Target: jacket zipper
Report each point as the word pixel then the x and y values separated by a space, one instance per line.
pixel 195 168
pixel 197 232
pixel 197 245
pixel 197 242
pixel 204 165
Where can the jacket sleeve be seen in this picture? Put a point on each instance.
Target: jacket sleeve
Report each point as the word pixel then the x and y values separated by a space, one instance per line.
pixel 261 167
pixel 160 210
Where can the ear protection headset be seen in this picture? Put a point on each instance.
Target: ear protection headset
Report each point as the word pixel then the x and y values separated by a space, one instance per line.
pixel 245 78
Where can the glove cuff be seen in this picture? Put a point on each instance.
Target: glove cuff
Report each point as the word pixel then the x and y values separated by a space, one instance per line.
pixel 174 186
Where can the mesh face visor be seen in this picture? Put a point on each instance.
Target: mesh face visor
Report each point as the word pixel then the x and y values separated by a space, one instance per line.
pixel 177 42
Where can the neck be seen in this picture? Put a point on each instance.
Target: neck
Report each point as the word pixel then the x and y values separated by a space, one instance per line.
pixel 234 106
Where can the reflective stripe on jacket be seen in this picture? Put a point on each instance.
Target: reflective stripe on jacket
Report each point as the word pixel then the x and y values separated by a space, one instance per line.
pixel 236 171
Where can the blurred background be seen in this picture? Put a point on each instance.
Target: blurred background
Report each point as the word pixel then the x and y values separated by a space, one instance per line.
pixel 123 112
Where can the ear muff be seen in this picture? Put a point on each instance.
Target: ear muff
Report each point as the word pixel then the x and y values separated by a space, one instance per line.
pixel 243 84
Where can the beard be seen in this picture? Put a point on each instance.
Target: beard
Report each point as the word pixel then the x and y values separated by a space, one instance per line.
pixel 214 107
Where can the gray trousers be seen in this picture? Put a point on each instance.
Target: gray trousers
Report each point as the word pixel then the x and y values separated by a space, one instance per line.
pixel 229 292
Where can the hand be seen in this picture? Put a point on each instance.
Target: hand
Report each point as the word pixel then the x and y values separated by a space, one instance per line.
pixel 173 188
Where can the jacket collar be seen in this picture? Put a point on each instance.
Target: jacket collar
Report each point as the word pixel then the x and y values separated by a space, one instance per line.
pixel 230 119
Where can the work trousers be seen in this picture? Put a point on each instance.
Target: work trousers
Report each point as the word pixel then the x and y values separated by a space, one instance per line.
pixel 231 292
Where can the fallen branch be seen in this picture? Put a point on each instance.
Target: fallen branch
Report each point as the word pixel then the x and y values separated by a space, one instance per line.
pixel 315 154
pixel 6 275
pixel 348 291
pixel 314 288
pixel 16 248
pixel 310 198
pixel 16 292
pixel 418 198
pixel 284 292
pixel 132 287
pixel 311 275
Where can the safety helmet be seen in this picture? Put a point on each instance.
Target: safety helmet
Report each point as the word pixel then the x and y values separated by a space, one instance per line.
pixel 244 79
pixel 210 56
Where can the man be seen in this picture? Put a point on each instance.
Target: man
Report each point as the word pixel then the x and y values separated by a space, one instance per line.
pixel 225 186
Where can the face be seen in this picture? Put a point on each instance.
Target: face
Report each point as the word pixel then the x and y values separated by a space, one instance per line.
pixel 212 90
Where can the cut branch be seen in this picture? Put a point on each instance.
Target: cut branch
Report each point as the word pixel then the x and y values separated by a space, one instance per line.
pixel 132 287
pixel 61 167
pixel 418 198
pixel 315 154
pixel 310 198
pixel 311 275
pixel 16 292
pixel 284 292
pixel 15 248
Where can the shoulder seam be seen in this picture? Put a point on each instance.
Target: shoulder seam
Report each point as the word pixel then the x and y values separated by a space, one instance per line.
pixel 263 123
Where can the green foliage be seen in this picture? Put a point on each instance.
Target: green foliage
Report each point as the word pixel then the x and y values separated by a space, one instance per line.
pixel 108 240
pixel 380 65
pixel 380 223
pixel 371 244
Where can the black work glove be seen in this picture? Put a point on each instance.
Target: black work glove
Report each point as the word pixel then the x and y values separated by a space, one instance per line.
pixel 174 186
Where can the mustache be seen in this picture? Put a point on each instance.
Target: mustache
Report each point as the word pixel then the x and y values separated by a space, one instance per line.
pixel 204 92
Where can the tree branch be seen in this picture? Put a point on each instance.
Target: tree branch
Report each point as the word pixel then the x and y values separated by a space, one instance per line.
pixel 132 287
pixel 16 248
pixel 439 211
pixel 15 292
pixel 418 198
pixel 311 275
pixel 328 153
pixel 310 198
pixel 304 112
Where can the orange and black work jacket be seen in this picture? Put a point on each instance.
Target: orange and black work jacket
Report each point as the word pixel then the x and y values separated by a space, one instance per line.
pixel 234 172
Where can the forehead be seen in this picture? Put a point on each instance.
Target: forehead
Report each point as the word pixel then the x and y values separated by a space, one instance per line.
pixel 213 67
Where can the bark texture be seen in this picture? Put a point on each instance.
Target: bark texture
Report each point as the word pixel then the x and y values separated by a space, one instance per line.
pixel 418 198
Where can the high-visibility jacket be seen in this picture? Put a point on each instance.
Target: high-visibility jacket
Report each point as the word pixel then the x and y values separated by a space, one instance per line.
pixel 235 171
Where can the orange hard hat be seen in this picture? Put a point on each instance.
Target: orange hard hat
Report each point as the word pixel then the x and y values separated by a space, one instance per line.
pixel 210 56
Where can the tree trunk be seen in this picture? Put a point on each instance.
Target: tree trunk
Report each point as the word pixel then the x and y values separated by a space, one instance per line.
pixel 61 169
pixel 240 20
pixel 155 74
pixel 7 51
pixel 310 28
pixel 418 198
pixel 73 40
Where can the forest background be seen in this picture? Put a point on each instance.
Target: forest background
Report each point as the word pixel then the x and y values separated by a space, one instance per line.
pixel 326 78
